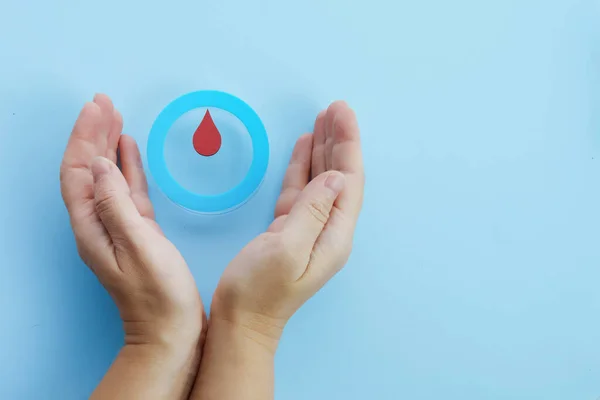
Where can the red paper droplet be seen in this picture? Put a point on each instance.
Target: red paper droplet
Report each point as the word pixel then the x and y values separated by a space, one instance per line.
pixel 207 138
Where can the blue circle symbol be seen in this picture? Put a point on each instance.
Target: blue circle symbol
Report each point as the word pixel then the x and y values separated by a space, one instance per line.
pixel 208 203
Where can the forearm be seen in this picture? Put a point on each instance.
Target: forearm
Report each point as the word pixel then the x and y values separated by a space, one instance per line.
pixel 151 371
pixel 237 363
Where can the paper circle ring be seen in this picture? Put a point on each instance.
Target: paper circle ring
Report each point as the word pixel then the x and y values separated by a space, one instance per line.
pixel 208 203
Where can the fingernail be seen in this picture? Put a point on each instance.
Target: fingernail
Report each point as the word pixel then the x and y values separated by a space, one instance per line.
pixel 100 167
pixel 335 182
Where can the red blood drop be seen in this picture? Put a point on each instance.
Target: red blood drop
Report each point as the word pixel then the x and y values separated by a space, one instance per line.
pixel 207 138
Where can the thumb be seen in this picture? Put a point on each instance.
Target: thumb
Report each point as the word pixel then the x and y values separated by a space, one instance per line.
pixel 112 199
pixel 310 213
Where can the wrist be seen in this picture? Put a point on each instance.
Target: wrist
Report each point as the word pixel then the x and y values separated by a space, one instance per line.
pixel 162 326
pixel 166 346
pixel 167 339
pixel 246 327
pixel 165 354
pixel 163 334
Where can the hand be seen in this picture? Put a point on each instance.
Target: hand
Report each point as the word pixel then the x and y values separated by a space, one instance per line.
pixel 117 237
pixel 311 237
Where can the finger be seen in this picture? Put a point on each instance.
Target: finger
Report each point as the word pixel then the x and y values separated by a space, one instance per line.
pixel 133 171
pixel 114 136
pixel 329 135
pixel 277 225
pixel 332 111
pixel 113 202
pixel 310 213
pixel 297 175
pixel 75 176
pixel 318 152
pixel 346 156
pixel 106 122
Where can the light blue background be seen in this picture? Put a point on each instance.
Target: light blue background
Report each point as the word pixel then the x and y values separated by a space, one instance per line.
pixel 476 269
